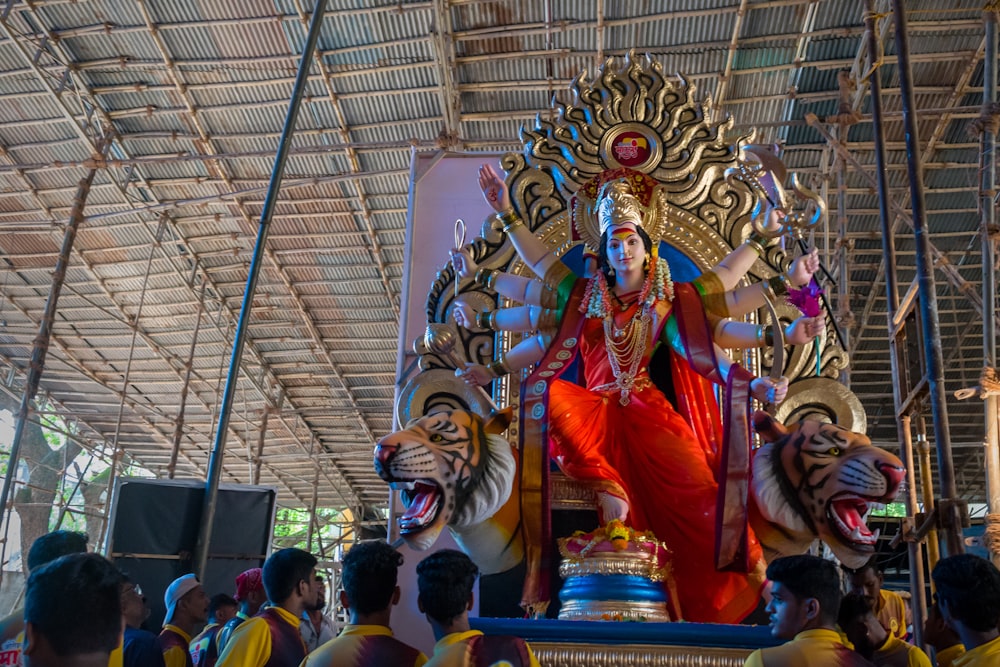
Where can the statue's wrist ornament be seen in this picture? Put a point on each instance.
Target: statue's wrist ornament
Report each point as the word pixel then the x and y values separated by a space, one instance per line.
pixel 509 219
pixel 486 278
pixel 487 320
pixel 498 367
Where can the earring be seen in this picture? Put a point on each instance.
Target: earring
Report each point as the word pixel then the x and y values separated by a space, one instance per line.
pixel 645 263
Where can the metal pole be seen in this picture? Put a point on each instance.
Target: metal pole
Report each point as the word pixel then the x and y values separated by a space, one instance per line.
pixel 988 169
pixel 896 350
pixel 232 378
pixel 949 507
pixel 41 344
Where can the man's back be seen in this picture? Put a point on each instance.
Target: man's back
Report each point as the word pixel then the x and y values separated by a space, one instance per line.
pixel 897 653
pixel 810 648
pixel 362 645
pixel 271 638
pixel 985 655
pixel 461 649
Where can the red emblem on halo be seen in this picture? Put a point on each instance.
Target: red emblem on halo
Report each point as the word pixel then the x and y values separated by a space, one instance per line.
pixel 630 149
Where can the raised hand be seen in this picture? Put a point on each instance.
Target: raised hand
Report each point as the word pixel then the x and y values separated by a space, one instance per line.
pixel 494 189
pixel 804 330
pixel 769 390
pixel 803 268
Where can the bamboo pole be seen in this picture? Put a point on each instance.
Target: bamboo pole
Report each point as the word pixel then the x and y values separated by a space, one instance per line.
pixel 41 346
pixel 949 507
pixel 897 346
pixel 988 234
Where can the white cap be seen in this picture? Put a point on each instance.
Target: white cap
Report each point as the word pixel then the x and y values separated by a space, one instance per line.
pixel 177 589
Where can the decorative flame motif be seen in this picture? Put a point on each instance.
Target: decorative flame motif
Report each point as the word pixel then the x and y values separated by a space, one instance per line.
pixel 693 152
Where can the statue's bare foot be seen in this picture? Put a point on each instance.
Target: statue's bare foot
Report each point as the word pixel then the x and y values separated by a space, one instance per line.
pixel 611 507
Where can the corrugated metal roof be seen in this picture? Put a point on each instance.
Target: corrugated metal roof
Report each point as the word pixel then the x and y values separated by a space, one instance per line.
pixel 197 124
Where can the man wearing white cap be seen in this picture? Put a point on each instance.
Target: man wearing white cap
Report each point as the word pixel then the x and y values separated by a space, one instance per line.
pixel 187 607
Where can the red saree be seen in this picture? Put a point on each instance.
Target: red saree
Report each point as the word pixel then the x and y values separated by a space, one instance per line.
pixel 661 458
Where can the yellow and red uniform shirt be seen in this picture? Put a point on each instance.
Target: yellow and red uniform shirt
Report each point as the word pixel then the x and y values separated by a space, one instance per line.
pixel 363 645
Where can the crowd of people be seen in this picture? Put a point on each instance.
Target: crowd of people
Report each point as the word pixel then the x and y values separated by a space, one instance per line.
pixel 826 628
pixel 82 611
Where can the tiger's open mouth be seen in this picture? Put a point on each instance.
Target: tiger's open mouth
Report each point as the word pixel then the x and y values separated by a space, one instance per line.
pixel 422 499
pixel 847 514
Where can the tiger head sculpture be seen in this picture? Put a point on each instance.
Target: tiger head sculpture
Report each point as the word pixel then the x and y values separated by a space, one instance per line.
pixel 813 480
pixel 452 471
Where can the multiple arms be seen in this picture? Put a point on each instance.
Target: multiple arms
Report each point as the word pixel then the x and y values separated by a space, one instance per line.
pixel 727 333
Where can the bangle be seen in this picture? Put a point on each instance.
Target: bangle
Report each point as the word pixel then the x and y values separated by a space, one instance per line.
pixel 760 335
pixel 759 239
pixel 778 285
pixel 498 367
pixel 509 219
pixel 755 246
pixel 769 337
pixel 487 320
pixel 516 223
pixel 486 278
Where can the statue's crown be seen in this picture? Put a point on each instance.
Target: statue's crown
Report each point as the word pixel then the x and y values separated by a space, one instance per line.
pixel 616 205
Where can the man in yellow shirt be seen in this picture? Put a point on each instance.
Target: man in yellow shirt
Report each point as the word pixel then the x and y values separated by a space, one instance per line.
pixel 968 594
pixel 889 607
pixel 72 613
pixel 445 580
pixel 251 596
pixel 369 575
pixel 272 637
pixel 945 642
pixel 870 639
pixel 187 609
pixel 805 599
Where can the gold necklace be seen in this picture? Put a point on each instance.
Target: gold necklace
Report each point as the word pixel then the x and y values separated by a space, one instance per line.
pixel 626 347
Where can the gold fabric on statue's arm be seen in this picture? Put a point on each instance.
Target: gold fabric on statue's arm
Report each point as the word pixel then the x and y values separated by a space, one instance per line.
pixel 713 295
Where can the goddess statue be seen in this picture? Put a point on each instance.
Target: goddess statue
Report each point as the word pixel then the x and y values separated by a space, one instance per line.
pixel 648 440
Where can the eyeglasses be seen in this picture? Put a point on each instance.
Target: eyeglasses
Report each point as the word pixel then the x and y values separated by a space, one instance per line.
pixel 132 588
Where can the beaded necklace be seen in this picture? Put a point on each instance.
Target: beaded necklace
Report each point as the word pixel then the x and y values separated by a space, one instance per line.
pixel 626 345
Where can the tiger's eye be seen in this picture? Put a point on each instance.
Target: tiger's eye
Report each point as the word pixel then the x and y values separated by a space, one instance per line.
pixel 834 451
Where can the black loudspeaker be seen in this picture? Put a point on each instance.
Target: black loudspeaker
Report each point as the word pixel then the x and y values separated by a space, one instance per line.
pixel 154 528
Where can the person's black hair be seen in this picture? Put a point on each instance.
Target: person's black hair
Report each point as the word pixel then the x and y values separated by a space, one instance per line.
pixel 75 603
pixel 808 576
pixel 853 607
pixel 870 564
pixel 220 600
pixel 445 580
pixel 602 252
pixel 969 586
pixel 369 575
pixel 52 545
pixel 283 571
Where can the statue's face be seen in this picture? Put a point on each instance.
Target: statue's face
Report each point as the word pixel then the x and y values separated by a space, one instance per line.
pixel 626 251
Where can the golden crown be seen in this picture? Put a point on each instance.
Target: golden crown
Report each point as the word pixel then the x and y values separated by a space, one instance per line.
pixel 616 205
